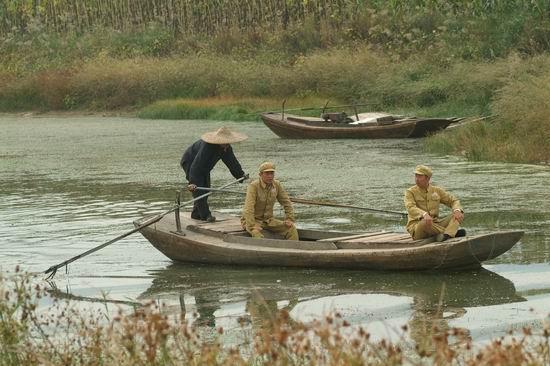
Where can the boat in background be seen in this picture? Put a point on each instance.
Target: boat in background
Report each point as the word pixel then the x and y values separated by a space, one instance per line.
pixel 360 126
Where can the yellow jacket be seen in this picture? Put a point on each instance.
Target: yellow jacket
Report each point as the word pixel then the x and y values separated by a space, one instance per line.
pixel 259 202
pixel 419 201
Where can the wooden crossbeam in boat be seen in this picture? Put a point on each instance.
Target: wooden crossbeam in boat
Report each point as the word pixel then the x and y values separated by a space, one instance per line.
pixel 231 225
pixel 382 237
pixel 356 236
pixel 376 245
pixel 385 242
pixel 279 243
pixel 217 232
pixel 406 237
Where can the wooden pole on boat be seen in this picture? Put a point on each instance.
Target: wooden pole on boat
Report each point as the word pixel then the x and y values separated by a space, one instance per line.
pixel 356 114
pixel 333 204
pixel 324 107
pixel 53 269
pixel 311 202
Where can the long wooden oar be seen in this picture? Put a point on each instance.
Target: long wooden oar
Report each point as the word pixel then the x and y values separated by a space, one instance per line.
pixel 311 202
pixel 53 269
pixel 333 204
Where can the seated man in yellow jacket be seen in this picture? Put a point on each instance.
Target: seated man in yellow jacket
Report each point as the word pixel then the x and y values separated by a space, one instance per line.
pixel 258 206
pixel 422 203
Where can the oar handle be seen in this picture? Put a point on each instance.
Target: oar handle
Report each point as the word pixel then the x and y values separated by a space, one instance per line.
pixel 332 204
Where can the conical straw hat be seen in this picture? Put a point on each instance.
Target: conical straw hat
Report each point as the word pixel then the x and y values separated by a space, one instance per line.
pixel 223 136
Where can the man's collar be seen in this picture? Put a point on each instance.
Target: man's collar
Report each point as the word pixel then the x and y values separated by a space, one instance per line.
pixel 264 185
pixel 424 190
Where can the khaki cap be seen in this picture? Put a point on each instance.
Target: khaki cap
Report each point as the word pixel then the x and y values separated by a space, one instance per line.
pixel 222 136
pixel 423 170
pixel 267 167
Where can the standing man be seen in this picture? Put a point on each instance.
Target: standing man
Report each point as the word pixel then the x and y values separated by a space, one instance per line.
pixel 258 206
pixel 422 203
pixel 201 157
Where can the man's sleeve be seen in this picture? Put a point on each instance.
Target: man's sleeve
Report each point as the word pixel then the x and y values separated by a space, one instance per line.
pixel 414 212
pixel 249 204
pixel 230 160
pixel 284 200
pixel 450 200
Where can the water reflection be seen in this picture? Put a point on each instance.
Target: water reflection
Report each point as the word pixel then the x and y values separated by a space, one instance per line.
pixel 379 299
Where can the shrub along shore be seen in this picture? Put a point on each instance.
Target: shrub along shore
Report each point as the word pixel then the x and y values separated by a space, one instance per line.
pixel 188 59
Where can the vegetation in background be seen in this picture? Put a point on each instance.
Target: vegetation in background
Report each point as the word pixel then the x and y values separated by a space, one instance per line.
pixel 224 108
pixel 64 335
pixel 433 58
pixel 518 132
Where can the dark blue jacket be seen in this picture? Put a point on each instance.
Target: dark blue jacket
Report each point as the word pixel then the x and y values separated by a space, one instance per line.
pixel 201 157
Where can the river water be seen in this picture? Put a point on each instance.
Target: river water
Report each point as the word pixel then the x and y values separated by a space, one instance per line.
pixel 72 183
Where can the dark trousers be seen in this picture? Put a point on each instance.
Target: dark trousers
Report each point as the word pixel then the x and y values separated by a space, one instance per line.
pixel 201 211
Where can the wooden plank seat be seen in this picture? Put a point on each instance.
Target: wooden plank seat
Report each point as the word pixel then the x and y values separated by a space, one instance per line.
pixel 304 119
pixel 279 243
pixel 217 231
pixel 355 236
pixel 384 241
pixel 380 237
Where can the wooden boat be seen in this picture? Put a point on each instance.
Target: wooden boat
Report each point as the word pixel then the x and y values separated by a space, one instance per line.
pixel 362 126
pixel 225 242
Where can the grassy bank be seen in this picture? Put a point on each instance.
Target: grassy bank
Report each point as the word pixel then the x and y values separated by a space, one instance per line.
pixel 189 59
pixel 519 130
pixel 145 336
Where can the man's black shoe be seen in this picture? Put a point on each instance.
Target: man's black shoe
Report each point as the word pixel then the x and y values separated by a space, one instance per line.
pixel 195 217
pixel 210 219
pixel 441 237
pixel 460 233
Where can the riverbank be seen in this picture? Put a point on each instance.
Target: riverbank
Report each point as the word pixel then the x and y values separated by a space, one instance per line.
pixel 407 58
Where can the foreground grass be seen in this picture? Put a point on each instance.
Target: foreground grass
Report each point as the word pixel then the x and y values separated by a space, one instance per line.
pixel 145 336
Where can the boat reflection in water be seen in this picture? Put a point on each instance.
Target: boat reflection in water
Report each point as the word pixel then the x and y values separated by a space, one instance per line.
pixel 238 298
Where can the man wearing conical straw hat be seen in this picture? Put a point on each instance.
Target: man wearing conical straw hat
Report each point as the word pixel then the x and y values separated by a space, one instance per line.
pixel 201 157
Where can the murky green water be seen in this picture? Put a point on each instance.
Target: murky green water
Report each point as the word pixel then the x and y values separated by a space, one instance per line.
pixel 69 184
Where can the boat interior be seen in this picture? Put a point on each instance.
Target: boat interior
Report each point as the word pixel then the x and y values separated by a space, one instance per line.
pixel 342 119
pixel 229 229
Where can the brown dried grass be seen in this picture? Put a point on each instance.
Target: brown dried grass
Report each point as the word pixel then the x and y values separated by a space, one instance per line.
pixel 145 336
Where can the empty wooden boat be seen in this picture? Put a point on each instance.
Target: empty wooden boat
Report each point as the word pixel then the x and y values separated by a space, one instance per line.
pixel 225 242
pixel 361 126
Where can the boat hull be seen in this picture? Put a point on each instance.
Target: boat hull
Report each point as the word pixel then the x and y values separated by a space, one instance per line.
pixel 293 127
pixel 202 243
